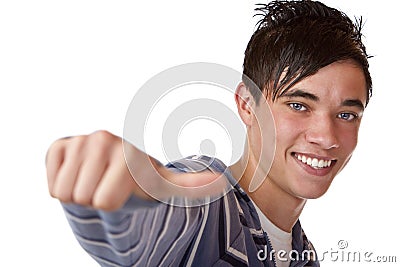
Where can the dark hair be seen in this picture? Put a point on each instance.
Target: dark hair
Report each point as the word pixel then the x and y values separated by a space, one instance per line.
pixel 294 39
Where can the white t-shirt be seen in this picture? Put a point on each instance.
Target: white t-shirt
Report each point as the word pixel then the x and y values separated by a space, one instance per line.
pixel 281 241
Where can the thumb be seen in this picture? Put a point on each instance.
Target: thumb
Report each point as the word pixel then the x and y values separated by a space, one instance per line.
pixel 198 184
pixel 195 188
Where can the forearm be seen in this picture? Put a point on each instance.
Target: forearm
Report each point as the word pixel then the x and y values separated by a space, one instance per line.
pixel 131 236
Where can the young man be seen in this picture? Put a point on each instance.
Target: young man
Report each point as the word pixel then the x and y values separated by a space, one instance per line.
pixel 309 64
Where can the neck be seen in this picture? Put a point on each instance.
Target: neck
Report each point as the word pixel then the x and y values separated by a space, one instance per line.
pixel 280 207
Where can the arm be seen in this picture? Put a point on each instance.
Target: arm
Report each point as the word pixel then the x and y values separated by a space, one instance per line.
pixel 90 170
pixel 156 236
pixel 111 216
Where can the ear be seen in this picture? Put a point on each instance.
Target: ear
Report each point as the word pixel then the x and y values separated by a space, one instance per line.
pixel 245 104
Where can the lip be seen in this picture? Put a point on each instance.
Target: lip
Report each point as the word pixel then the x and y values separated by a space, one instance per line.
pixel 312 171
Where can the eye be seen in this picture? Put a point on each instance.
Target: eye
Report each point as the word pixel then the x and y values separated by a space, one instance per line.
pixel 297 106
pixel 347 116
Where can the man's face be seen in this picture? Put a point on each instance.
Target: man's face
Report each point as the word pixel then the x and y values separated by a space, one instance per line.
pixel 317 122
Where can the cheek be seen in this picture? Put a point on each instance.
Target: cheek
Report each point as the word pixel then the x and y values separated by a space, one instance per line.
pixel 288 130
pixel 263 133
pixel 348 142
pixel 348 139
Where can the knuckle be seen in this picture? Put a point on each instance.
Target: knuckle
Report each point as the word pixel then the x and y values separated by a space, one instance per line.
pixel 101 142
pixel 78 142
pixel 102 137
pixel 105 202
pixel 55 148
pixel 56 145
pixel 73 146
pixel 65 146
pixel 81 198
pixel 52 194
pixel 61 195
pixel 76 150
pixel 64 199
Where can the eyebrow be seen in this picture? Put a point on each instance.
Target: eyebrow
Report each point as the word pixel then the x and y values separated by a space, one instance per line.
pixel 301 93
pixel 353 103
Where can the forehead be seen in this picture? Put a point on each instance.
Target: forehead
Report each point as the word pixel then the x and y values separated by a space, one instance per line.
pixel 337 81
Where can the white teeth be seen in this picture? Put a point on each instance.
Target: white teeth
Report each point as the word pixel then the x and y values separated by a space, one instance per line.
pixel 313 162
pixel 321 163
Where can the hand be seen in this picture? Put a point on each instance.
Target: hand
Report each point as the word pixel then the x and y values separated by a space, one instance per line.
pixel 91 170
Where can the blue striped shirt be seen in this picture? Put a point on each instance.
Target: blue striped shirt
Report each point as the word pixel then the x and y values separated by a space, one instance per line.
pixel 225 232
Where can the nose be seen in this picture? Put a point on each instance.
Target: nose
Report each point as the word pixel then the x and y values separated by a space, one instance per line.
pixel 322 132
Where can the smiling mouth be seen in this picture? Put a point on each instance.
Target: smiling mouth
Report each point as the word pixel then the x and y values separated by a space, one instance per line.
pixel 316 163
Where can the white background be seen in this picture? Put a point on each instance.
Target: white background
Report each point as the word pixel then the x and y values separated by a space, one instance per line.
pixel 72 67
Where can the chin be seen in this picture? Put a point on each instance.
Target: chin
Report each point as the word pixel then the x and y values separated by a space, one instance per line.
pixel 311 191
pixel 313 195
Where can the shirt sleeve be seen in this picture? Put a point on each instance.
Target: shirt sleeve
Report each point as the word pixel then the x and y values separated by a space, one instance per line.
pixel 142 233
